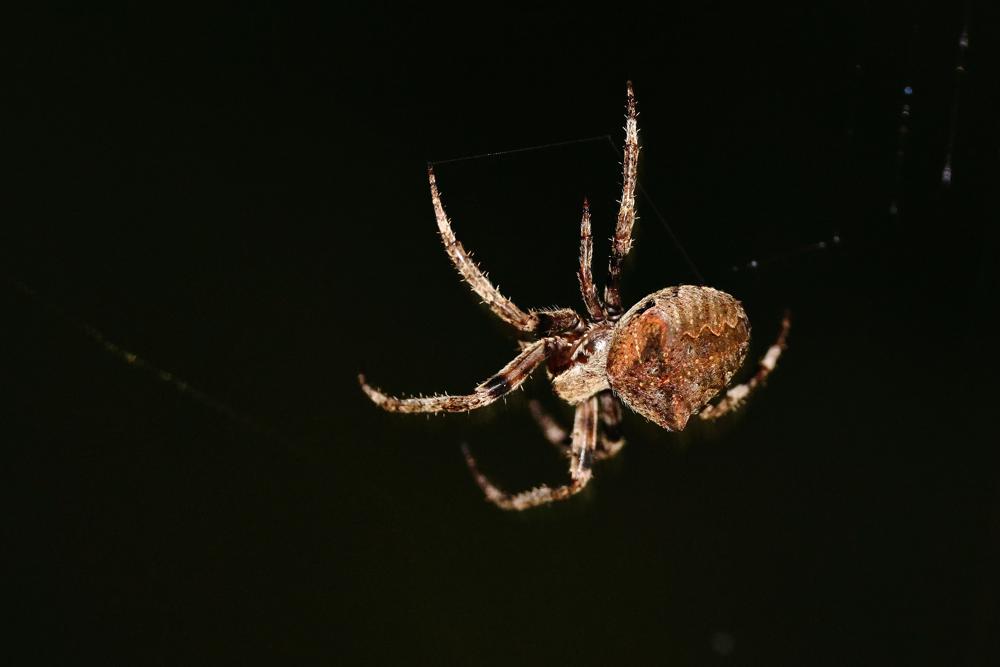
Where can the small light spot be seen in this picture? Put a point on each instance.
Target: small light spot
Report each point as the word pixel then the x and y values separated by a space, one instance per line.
pixel 946 174
pixel 908 90
pixel 753 263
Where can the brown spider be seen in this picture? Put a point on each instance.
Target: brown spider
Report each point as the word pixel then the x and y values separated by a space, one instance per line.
pixel 666 358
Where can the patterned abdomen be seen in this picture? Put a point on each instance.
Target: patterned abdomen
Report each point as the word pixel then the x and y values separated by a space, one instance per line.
pixel 676 349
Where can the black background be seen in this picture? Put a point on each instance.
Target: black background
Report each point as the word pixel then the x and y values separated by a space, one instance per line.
pixel 238 196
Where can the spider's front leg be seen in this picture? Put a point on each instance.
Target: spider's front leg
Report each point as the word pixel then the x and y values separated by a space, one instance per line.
pixel 503 307
pixel 539 322
pixel 622 241
pixel 581 459
pixel 509 378
pixel 585 275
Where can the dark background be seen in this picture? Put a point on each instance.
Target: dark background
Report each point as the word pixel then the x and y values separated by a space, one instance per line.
pixel 238 197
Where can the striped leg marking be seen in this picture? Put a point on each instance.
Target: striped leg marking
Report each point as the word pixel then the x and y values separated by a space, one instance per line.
pixel 509 378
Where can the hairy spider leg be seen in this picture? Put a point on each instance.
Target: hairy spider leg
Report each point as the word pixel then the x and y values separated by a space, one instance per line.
pixel 622 242
pixel 612 439
pixel 553 431
pixel 581 460
pixel 737 395
pixel 609 437
pixel 503 307
pixel 509 378
pixel 587 288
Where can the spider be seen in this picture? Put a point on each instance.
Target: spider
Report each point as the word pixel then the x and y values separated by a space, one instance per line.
pixel 665 358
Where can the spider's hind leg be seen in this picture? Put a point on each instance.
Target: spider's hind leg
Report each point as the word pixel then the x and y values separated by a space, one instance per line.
pixel 581 460
pixel 738 394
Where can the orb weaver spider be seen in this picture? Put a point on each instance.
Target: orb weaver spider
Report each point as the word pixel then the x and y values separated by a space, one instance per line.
pixel 665 358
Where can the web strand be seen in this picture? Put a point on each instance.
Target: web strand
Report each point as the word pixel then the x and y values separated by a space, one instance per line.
pixel 525 149
pixel 963 46
pixel 133 360
pixel 818 246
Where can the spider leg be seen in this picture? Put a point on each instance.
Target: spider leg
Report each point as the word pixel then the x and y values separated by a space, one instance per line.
pixel 737 394
pixel 503 307
pixel 551 428
pixel 626 211
pixel 612 440
pixel 509 378
pixel 609 437
pixel 581 459
pixel 587 288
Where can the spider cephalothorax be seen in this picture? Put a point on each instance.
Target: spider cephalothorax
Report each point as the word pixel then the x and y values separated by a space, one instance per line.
pixel 665 358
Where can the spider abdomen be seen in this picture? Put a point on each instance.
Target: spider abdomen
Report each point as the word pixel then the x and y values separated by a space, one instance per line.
pixel 675 350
